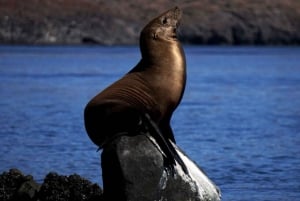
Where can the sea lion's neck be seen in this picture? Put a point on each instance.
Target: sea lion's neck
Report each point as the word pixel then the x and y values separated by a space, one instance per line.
pixel 164 64
pixel 167 56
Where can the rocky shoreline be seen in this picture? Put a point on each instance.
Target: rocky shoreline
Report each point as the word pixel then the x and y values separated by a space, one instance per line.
pixel 228 22
pixel 15 186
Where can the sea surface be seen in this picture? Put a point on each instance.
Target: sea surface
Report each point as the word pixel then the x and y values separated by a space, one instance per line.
pixel 239 118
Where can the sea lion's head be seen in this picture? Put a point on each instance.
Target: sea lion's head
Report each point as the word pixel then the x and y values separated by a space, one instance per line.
pixel 163 27
pixel 160 31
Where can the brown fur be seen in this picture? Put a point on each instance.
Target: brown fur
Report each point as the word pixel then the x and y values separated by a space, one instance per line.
pixel 154 86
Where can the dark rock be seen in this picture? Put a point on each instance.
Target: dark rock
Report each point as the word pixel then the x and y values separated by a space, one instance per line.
pixel 68 188
pixel 133 169
pixel 28 190
pixel 15 186
pixel 119 22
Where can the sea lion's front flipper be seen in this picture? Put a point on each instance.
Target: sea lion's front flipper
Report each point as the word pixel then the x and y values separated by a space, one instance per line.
pixel 165 145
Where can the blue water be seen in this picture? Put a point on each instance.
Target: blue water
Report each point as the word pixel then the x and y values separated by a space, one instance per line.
pixel 239 118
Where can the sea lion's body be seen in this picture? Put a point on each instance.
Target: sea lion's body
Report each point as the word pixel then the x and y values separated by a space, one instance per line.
pixel 154 86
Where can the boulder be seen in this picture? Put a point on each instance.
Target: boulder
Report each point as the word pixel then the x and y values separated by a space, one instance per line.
pixel 133 169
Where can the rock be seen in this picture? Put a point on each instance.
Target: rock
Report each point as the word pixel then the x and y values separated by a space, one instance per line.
pixel 15 186
pixel 119 22
pixel 133 169
pixel 68 188
pixel 28 190
pixel 127 173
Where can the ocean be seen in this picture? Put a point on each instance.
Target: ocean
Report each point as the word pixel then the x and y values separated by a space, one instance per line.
pixel 239 118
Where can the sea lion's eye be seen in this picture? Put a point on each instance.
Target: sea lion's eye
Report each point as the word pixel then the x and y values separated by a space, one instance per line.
pixel 164 20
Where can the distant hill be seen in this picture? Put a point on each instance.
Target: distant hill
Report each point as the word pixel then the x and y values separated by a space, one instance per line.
pixel 232 22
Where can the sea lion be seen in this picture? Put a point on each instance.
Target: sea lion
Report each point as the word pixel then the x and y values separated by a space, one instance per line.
pixel 153 87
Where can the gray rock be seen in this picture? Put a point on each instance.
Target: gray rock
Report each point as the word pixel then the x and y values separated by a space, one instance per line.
pixel 133 169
